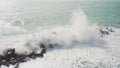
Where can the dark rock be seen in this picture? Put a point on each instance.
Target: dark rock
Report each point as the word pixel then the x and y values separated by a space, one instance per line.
pixel 43 48
pixel 13 61
pixel 43 51
pixel 39 55
pixel 1 57
pixel 10 53
pixel 51 45
pixel 17 65
pixel 42 45
pixel 32 55
pixel 4 62
pixel 11 58
pixel 104 32
pixel 22 58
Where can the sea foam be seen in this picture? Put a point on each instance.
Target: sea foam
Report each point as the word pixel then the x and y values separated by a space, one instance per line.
pixel 80 43
pixel 79 30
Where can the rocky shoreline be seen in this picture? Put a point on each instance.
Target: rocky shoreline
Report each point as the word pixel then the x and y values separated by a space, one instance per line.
pixel 12 58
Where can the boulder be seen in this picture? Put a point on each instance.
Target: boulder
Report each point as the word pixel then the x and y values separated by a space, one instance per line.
pixel 12 58
pixel 104 32
pixel 1 57
pixel 43 49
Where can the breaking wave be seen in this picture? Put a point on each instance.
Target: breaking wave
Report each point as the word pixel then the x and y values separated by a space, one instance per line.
pixel 78 33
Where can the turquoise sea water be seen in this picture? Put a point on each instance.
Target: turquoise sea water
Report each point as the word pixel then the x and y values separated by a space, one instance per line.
pixel 104 13
pixel 35 14
pixel 77 42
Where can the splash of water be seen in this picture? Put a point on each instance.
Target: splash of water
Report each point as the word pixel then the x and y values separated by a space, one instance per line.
pixel 80 30
pixel 65 36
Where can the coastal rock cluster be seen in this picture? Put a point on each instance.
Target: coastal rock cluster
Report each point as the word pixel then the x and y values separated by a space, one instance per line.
pixel 105 31
pixel 10 57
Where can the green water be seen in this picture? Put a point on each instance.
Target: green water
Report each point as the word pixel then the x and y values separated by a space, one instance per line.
pixel 38 14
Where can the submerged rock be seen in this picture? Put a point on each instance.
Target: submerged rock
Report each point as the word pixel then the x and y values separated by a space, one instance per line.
pixel 1 57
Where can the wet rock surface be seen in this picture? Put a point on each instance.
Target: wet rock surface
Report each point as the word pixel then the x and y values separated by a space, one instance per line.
pixel 106 31
pixel 10 57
